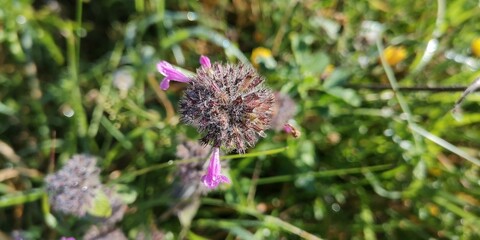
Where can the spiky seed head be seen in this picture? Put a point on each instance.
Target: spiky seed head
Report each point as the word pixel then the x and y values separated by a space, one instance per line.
pixel 229 105
pixel 71 189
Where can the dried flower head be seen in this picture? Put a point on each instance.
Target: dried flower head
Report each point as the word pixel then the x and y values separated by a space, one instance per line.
pixel 284 109
pixel 71 190
pixel 150 234
pixel 123 79
pixel 104 233
pixel 228 104
pixel 20 235
pixel 188 149
pixel 190 173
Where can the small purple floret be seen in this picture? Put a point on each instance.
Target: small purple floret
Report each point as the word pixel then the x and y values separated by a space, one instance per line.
pixel 214 176
pixel 170 73
pixel 205 61
pixel 287 128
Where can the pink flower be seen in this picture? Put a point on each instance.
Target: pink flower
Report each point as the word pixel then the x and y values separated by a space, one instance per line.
pixel 205 61
pixel 214 176
pixel 170 73
pixel 67 238
pixel 288 128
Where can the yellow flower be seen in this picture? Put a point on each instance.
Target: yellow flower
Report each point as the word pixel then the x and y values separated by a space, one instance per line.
pixel 435 171
pixel 262 55
pixel 394 55
pixel 433 209
pixel 328 71
pixel 476 47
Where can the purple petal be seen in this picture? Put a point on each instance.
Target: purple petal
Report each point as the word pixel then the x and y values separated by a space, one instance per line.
pixel 162 67
pixel 287 128
pixel 205 61
pixel 165 84
pixel 209 182
pixel 214 177
pixel 224 179
pixel 171 74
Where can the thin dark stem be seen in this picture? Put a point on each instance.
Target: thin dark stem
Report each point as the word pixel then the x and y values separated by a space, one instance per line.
pixel 407 89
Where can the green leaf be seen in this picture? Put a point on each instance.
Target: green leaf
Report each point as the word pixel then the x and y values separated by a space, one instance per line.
pixel 337 78
pixel 347 95
pixel 4 109
pixel 50 220
pixel 126 193
pixel 314 63
pixel 187 212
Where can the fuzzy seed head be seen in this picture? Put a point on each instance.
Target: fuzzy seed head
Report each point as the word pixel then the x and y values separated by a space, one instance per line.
pixel 71 190
pixel 229 106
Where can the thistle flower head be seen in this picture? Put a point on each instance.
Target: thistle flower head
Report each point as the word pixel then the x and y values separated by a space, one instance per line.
pixel 228 105
pixel 214 177
pixel 71 190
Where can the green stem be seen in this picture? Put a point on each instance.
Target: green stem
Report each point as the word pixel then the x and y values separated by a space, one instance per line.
pixel 455 209
pixel 255 154
pixel 133 174
pixel 269 220
pixel 79 28
pixel 441 142
pixel 73 52
pixel 21 198
pixel 401 100
pixel 327 173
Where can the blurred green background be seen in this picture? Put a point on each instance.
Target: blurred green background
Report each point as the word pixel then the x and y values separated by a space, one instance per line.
pixel 371 163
